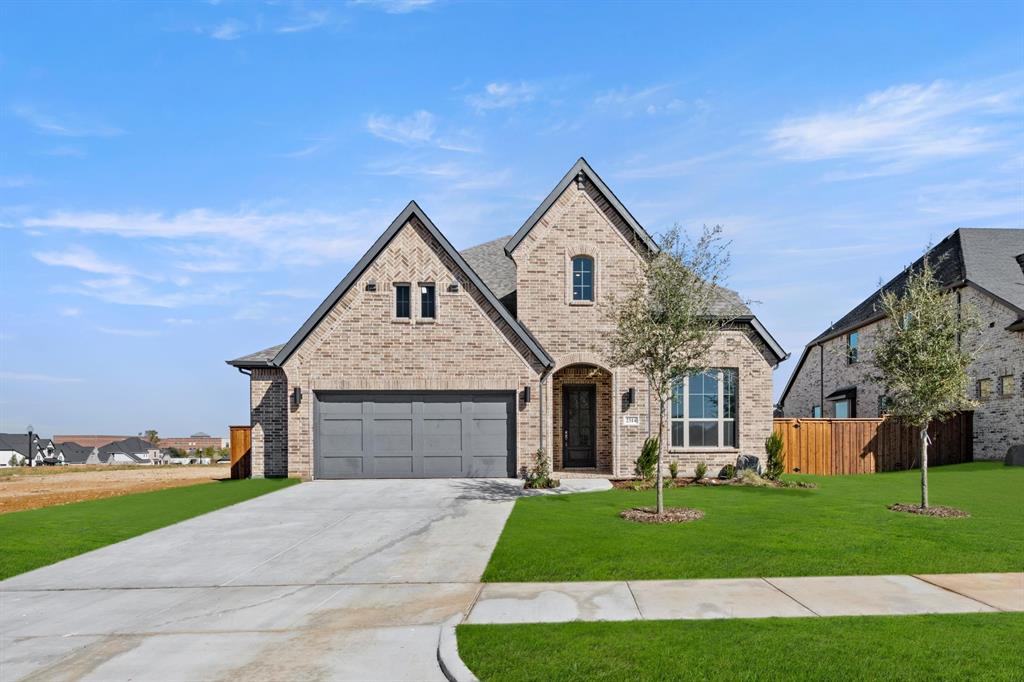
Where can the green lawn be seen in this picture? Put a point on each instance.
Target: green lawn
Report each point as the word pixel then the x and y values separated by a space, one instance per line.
pixel 38 537
pixel 840 528
pixel 982 646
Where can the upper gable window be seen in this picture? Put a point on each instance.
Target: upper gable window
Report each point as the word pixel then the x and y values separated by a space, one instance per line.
pixel 852 347
pixel 428 302
pixel 402 308
pixel 582 278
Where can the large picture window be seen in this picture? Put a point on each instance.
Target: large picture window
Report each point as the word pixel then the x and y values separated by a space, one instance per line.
pixel 704 408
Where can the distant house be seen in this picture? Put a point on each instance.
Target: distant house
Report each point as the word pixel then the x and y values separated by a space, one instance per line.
pixel 133 450
pixel 73 453
pixel 15 449
pixel 980 268
pixel 194 443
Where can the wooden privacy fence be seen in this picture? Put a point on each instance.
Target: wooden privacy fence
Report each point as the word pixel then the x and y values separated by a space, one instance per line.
pixel 832 447
pixel 241 451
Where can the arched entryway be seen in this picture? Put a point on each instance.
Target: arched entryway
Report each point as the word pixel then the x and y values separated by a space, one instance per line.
pixel 582 418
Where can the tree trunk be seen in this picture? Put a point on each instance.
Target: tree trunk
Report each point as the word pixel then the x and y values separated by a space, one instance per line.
pixel 924 466
pixel 661 445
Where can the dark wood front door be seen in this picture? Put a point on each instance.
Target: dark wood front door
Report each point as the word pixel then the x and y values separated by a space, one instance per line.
pixel 579 426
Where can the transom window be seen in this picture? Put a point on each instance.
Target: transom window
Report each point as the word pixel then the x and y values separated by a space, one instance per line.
pixel 402 307
pixel 704 407
pixel 582 278
pixel 428 301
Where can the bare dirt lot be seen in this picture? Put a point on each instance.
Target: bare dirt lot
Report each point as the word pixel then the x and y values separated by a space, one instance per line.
pixel 33 488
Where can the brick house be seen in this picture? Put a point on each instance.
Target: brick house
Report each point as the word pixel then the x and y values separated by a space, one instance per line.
pixel 425 361
pixel 983 269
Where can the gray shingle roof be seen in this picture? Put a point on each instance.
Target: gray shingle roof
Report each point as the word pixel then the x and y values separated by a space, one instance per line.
pixel 261 358
pixel 984 256
pixel 495 268
pixel 128 446
pixel 74 453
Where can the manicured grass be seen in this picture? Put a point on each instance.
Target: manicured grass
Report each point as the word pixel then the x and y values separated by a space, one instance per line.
pixel 840 528
pixel 38 537
pixel 980 646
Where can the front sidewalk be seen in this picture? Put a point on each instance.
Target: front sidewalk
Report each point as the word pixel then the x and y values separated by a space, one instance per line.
pixel 747 598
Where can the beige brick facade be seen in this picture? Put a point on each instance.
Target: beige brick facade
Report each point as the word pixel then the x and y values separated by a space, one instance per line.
pixel 998 420
pixel 358 345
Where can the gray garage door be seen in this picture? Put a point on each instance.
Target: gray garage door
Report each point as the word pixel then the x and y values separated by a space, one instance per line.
pixel 392 434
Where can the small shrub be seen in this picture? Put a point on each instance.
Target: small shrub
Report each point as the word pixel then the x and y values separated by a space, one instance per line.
pixel 728 471
pixel 700 471
pixel 648 459
pixel 540 475
pixel 776 464
pixel 673 469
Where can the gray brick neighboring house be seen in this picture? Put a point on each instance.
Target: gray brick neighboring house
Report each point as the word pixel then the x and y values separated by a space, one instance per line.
pixel 425 361
pixel 982 268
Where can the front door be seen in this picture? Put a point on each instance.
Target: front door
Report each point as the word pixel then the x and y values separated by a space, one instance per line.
pixel 579 425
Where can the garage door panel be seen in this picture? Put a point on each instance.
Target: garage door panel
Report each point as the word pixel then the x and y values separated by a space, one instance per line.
pixel 407 434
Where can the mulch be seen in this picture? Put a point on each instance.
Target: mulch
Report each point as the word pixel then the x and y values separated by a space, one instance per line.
pixel 670 515
pixel 941 512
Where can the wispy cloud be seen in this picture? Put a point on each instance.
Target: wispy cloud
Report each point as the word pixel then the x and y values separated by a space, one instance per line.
pixel 65 151
pixel 232 29
pixel 896 129
pixel 37 378
pixel 395 6
pixel 69 126
pixel 179 321
pixel 16 181
pixel 291 293
pixel 502 95
pixel 81 258
pixel 315 145
pixel 415 129
pixel 138 333
pixel 653 99
pixel 307 22
pixel 69 312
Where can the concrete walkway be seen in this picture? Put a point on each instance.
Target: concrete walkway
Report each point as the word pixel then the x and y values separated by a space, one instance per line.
pixel 748 598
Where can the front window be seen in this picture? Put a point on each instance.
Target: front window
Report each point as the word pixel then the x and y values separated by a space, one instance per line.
pixel 1006 385
pixel 852 342
pixel 402 307
pixel 984 389
pixel 428 302
pixel 816 412
pixel 583 278
pixel 704 407
pixel 842 409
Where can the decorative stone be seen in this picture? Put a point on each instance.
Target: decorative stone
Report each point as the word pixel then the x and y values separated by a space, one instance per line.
pixel 1014 456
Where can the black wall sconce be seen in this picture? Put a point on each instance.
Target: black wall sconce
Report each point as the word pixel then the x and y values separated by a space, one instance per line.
pixel 630 396
pixel 297 396
pixel 526 394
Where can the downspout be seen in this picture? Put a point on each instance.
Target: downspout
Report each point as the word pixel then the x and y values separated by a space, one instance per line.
pixel 543 376
pixel 821 378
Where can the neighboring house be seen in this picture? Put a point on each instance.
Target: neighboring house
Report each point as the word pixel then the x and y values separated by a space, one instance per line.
pixel 15 447
pixel 132 450
pixel 425 361
pixel 73 453
pixel 983 269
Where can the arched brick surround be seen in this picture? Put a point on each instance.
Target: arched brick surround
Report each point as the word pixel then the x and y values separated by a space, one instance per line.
pixel 602 380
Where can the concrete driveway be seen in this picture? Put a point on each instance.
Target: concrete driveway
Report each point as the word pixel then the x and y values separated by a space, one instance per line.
pixel 324 580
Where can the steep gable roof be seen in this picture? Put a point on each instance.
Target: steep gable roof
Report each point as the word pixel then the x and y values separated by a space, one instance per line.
pixel 411 210
pixel 982 257
pixel 493 265
pixel 128 446
pixel 581 166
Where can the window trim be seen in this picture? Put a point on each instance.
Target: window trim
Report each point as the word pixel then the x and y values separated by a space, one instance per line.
pixel 572 279
pixel 395 317
pixel 721 420
pixel 420 316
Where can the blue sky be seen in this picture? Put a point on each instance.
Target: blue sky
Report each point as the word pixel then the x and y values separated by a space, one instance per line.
pixel 183 183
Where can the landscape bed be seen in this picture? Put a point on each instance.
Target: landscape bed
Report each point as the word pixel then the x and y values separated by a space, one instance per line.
pixel 978 646
pixel 841 527
pixel 35 538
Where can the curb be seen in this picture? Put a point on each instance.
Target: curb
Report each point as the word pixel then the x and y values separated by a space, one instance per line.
pixel 448 653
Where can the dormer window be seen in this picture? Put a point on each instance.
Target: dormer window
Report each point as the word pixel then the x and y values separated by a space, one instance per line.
pixel 582 278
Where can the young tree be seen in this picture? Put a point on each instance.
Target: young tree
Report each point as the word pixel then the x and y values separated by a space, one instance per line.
pixel 151 436
pixel 921 357
pixel 666 325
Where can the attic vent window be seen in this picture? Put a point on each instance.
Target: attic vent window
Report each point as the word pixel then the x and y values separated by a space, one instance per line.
pixel 371 286
pixel 453 288
pixel 581 180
